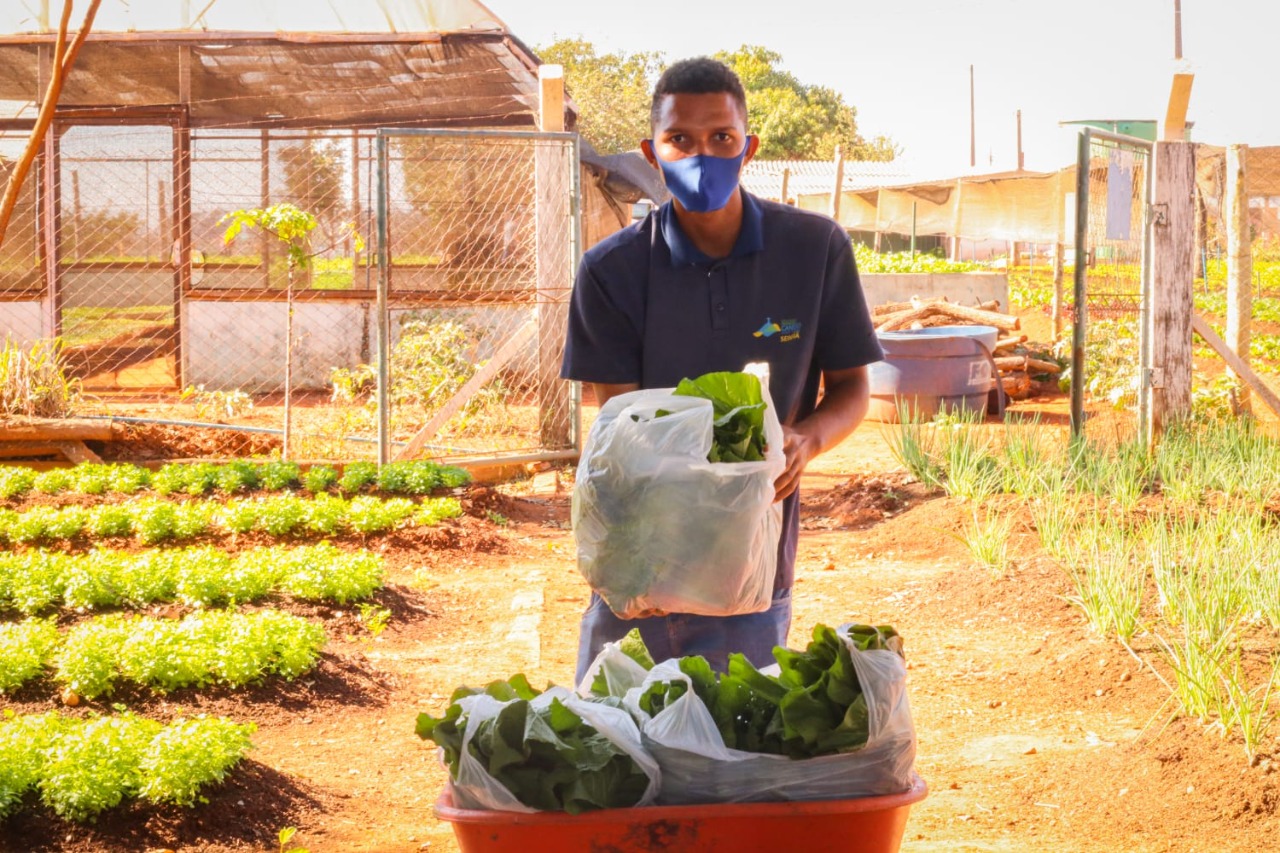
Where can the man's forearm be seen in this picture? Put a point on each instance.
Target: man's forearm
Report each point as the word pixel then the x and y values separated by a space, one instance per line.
pixel 845 400
pixel 603 391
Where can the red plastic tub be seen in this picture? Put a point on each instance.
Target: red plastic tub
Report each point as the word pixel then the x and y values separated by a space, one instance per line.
pixel 863 825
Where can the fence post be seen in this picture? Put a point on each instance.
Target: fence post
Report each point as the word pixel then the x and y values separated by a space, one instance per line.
pixel 837 187
pixel 1058 259
pixel 381 309
pixel 1172 285
pixel 1235 213
pixel 553 217
pixel 1084 157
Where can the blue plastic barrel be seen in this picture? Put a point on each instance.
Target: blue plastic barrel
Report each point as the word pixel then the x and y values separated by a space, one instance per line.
pixel 941 368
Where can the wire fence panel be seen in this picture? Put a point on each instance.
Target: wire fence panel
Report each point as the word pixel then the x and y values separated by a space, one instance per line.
pixel 266 335
pixel 22 291
pixel 115 299
pixel 1109 303
pixel 482 242
pixel 264 345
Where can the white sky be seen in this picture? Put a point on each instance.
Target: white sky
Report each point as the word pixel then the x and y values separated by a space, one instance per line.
pixel 905 63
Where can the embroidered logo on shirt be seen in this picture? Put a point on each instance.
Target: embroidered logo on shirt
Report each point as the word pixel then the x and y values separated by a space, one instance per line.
pixel 788 329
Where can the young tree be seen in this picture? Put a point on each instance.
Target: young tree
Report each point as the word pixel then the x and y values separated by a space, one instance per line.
pixel 292 226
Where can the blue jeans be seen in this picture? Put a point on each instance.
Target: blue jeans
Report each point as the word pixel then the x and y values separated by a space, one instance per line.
pixel 681 634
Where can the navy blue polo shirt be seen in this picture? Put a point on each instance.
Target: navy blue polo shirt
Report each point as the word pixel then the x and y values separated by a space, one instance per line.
pixel 648 307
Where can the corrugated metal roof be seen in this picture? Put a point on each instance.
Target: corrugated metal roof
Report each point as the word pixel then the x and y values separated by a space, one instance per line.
pixel 358 16
pixel 296 79
pixel 764 177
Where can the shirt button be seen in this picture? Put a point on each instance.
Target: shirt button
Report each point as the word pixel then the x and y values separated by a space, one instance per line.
pixel 720 307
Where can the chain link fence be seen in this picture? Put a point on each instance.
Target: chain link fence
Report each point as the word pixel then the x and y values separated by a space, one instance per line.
pixel 1257 336
pixel 21 277
pixel 482 232
pixel 188 337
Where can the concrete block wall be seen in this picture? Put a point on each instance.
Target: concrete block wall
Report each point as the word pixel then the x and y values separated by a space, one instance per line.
pixel 22 322
pixel 967 288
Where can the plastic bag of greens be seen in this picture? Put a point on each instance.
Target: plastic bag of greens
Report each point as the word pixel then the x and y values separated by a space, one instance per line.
pixel 845 731
pixel 552 752
pixel 660 527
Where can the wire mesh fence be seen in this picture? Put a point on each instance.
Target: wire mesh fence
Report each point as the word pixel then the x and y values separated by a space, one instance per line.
pixel 165 321
pixel 1109 302
pixel 482 231
pixel 21 278
pixel 1240 246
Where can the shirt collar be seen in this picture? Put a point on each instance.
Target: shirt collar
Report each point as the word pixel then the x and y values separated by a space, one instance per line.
pixel 683 251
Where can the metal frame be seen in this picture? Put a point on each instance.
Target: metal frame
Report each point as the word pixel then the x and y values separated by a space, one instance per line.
pixel 383 309
pixel 1080 278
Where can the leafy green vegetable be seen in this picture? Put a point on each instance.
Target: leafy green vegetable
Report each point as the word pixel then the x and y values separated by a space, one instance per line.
pixel 632 645
pixel 547 756
pixel 84 766
pixel 738 433
pixel 815 706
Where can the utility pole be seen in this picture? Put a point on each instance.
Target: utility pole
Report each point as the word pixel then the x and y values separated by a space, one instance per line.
pixel 1177 29
pixel 973 148
pixel 1020 140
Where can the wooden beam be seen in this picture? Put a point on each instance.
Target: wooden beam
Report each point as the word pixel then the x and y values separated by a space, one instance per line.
pixel 56 430
pixel 553 224
pixel 1172 281
pixel 551 97
pixel 509 350
pixel 22 449
pixel 1175 117
pixel 1235 215
pixel 1242 370
pixel 75 451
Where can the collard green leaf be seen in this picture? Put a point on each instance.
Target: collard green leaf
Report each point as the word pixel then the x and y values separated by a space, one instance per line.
pixel 815 706
pixel 632 645
pixel 548 757
pixel 738 403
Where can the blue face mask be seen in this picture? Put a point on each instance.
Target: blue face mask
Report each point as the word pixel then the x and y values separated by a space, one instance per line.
pixel 702 183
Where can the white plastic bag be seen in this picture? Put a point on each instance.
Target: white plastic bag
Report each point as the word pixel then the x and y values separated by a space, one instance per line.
pixel 697 767
pixel 658 527
pixel 474 788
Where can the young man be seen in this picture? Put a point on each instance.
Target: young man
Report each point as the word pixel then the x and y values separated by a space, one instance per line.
pixel 712 280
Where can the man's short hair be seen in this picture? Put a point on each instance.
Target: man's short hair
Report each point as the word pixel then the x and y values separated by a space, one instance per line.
pixel 698 76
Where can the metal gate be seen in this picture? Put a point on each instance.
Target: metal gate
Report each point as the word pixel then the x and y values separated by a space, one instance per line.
pixel 1113 221
pixel 478 240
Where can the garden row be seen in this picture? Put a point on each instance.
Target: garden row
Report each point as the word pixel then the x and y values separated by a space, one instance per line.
pixel 80 767
pixel 1175 555
pixel 203 648
pixel 33 582
pixel 153 520
pixel 202 478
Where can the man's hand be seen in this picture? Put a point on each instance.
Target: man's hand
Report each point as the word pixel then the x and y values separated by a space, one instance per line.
pixel 841 409
pixel 799 448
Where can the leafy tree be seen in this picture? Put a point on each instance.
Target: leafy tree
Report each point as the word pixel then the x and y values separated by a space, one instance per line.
pixel 611 91
pixel 794 120
pixel 313 173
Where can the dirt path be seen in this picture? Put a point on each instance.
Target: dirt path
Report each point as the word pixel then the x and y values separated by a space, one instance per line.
pixel 1033 734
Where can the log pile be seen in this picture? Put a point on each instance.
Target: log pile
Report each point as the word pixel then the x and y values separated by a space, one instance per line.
pixel 1015 369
